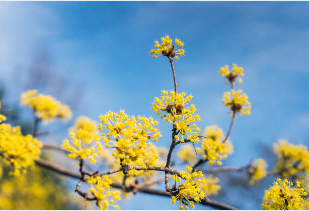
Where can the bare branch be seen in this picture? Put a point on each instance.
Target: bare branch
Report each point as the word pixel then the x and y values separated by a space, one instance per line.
pixel 224 169
pixel 56 168
pixel 50 146
pixel 174 75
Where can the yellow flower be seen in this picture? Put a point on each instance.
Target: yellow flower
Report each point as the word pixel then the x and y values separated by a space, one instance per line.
pixel 101 190
pixel 258 171
pixel 211 187
pixel 166 48
pixel 235 72
pixel 293 160
pixel 189 187
pixel 282 196
pixel 85 140
pixel 236 102
pixel 45 107
pixel 187 154
pixel 16 149
pixel 86 124
pixel 131 137
pixel 177 112
pixel 212 147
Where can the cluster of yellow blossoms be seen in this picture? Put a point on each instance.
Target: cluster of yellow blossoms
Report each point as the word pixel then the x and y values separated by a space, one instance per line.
pixel 131 137
pixel 189 188
pixel 212 147
pixel 187 154
pixel 16 149
pixel 183 117
pixel 211 186
pixel 112 163
pixel 45 107
pixel 85 142
pixel 166 48
pixel 36 190
pixel 235 72
pixel 293 160
pixel 257 171
pixel 284 197
pixel 237 102
pixel 101 191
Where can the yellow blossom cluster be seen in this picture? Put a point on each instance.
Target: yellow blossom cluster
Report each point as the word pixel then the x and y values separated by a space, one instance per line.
pixel 101 191
pixel 176 112
pixel 131 137
pixel 18 150
pixel 85 140
pixel 45 107
pixel 187 154
pixel 283 196
pixel 212 147
pixel 159 162
pixel 85 123
pixel 189 188
pixel 166 48
pixel 36 190
pixel 257 171
pixel 237 102
pixel 211 186
pixel 235 72
pixel 293 160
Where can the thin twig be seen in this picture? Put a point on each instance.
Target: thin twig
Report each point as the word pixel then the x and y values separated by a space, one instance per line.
pixel 231 126
pixel 56 168
pixel 36 126
pixel 44 133
pixel 150 182
pixel 224 169
pixel 139 168
pixel 198 163
pixel 233 119
pixel 83 194
pixel 174 75
pixel 50 146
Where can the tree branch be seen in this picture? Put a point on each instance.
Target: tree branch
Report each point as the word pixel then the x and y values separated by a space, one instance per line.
pixel 63 171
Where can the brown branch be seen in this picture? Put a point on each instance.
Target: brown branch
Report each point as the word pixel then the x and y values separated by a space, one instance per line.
pixel 174 75
pixel 169 157
pixel 43 133
pixel 231 126
pixel 83 194
pixel 199 162
pixel 36 126
pixel 233 118
pixel 50 146
pixel 139 168
pixel 56 168
pixel 63 171
pixel 150 182
pixel 224 169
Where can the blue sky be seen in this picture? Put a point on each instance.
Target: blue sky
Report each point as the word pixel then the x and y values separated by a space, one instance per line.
pixel 104 47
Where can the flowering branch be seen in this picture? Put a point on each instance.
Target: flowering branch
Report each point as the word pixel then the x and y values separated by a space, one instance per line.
pixel 63 171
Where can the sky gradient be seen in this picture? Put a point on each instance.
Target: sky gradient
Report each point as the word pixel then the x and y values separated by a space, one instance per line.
pixel 103 48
